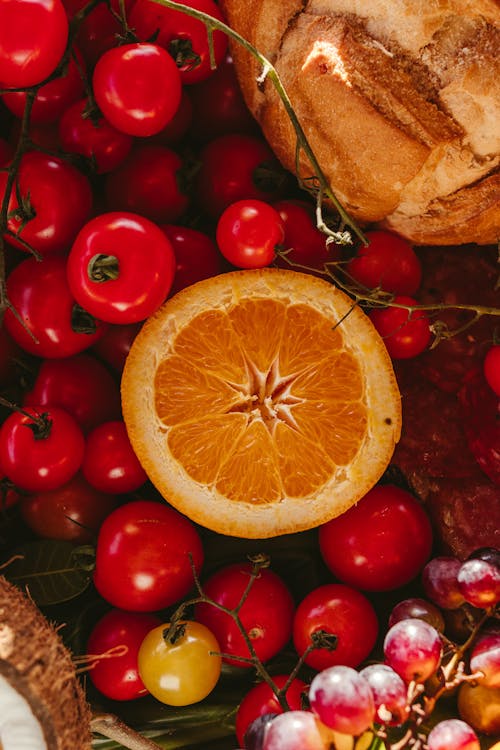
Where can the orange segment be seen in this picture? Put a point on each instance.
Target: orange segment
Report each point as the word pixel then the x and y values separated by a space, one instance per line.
pixel 183 392
pixel 259 325
pixel 211 342
pixel 251 475
pixel 261 402
pixel 308 338
pixel 202 446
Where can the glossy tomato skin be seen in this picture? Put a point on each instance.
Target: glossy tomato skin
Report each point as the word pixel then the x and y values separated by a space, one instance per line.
pixel 53 98
pixel 113 347
pixel 219 107
pixel 148 183
pixel 234 167
pixel 127 91
pixel 406 333
pixel 58 201
pixel 266 613
pixel 388 262
pixel 342 611
pixel 261 700
pixel 72 512
pixel 183 36
pixel 304 243
pixel 109 463
pixel 184 671
pixel 55 455
pixel 197 256
pixel 249 232
pixel 58 329
pixel 491 368
pixel 143 272
pixel 150 544
pixel 81 385
pixel 93 137
pixel 380 543
pixel 33 38
pixel 118 677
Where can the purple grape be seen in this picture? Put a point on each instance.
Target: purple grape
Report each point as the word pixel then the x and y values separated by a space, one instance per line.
pixel 452 734
pixel 254 735
pixel 295 730
pixel 342 699
pixel 439 580
pixel 489 554
pixel 479 582
pixel 413 649
pixel 485 658
pixel 390 694
pixel 420 609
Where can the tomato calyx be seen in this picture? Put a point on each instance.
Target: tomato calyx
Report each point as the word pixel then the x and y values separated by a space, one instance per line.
pixel 324 639
pixel 24 211
pixel 103 268
pixel 269 177
pixel 174 632
pixel 82 321
pixel 184 55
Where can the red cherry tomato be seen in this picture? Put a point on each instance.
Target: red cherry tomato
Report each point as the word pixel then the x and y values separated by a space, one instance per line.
pixel 73 512
pixel 53 98
pixel 266 613
pixel 126 83
pixel 219 107
pixel 343 612
pixel 183 36
pixel 109 463
pixel 304 243
pixel 81 385
pixel 56 201
pixel 113 347
pixel 143 556
pixel 406 333
pixel 99 30
pixel 480 412
pixel 175 130
pixel 261 700
pixel 59 328
pixel 234 167
pixel 121 267
pixel 196 254
pixel 33 36
pixel 379 544
pixel 90 134
pixel 52 440
pixel 149 183
pixel 117 677
pixel 248 233
pixel 388 262
pixel 491 368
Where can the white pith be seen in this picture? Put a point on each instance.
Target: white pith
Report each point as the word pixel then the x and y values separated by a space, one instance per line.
pixel 19 728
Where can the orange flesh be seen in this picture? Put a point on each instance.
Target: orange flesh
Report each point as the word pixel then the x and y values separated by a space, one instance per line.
pixel 262 401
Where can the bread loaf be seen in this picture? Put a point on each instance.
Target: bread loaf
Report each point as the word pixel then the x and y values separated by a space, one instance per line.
pixel 399 99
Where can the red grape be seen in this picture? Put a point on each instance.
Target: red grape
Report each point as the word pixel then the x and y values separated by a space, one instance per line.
pixel 295 729
pixel 479 582
pixel 390 694
pixel 452 734
pixel 485 658
pixel 421 609
pixel 413 649
pixel 439 580
pixel 343 700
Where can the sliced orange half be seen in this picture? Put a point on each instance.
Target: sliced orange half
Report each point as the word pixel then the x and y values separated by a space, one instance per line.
pixel 261 402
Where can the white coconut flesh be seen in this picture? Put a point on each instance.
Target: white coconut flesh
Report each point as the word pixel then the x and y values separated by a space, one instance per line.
pixel 19 728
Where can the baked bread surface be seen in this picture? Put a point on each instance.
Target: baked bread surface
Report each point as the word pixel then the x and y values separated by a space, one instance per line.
pixel 399 99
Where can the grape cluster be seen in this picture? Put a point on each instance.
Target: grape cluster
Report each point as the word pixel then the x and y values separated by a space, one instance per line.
pixel 389 705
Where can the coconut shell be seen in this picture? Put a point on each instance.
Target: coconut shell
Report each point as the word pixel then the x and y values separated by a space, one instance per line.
pixel 34 660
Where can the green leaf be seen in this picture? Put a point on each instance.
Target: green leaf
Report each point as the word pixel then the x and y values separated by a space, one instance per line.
pixel 51 571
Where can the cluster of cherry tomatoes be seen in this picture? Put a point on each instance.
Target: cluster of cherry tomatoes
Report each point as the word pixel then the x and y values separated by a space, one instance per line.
pixel 129 169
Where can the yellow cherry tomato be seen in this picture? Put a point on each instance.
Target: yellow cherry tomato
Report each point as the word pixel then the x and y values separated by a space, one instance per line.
pixel 182 670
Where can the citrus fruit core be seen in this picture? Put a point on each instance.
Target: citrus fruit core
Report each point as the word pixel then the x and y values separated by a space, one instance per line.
pixel 261 402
